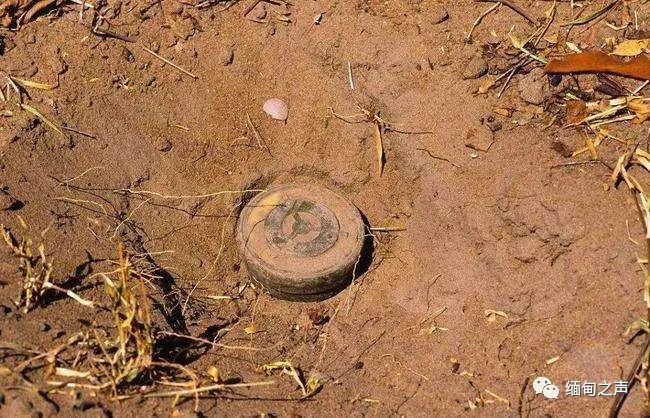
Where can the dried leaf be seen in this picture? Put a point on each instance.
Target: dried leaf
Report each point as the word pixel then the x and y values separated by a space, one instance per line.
pixel 492 315
pixel 502 111
pixel 289 369
pixel 641 109
pixel 576 111
pixel 213 372
pixel 252 329
pixel 590 146
pixel 638 325
pixel 552 38
pixel 487 84
pixel 631 48
pixel 516 40
pixel 573 47
pixel 314 385
pixel 598 62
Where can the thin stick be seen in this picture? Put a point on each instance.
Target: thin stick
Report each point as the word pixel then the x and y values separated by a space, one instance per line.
pixel 219 345
pixel 435 157
pixel 258 137
pixel 216 260
pixel 84 3
pixel 67 128
pixel 147 192
pixel 350 79
pixel 620 398
pixel 207 389
pixel 166 61
pixel 573 164
pixel 641 87
pixel 516 8
pixel 65 182
pixel 111 34
pixel 250 7
pixel 479 19
pixel 387 229
pixel 71 294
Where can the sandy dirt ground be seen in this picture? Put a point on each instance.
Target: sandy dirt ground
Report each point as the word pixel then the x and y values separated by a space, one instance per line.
pixel 489 222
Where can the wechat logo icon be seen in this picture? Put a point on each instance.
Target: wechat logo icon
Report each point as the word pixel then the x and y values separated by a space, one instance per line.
pixel 542 385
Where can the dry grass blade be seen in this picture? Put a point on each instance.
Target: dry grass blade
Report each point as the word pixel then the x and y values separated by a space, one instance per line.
pixel 130 353
pixel 309 388
pixel 36 271
pixel 379 147
pixel 593 16
pixel 211 388
pixel 35 267
pixel 479 19
pixel 32 84
pixel 40 116
pixel 514 6
pixel 166 61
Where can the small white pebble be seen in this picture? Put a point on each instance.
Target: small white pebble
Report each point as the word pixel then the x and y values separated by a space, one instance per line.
pixel 276 108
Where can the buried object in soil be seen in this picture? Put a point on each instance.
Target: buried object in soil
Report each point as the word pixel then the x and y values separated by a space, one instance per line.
pixel 300 241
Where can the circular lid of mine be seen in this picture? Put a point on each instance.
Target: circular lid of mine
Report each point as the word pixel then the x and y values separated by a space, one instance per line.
pixel 300 241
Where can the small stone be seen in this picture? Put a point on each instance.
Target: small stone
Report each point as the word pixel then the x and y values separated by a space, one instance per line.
pixel 270 31
pixel 226 55
pixel 555 79
pixel 261 15
pixel 439 14
pixel 475 68
pixel 164 145
pixel 30 39
pixel 127 54
pixel 492 123
pixel 479 138
pixel 532 87
pixel 150 81
pixel 44 327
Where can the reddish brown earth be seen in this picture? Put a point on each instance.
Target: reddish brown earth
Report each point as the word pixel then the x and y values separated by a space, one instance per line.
pixel 499 230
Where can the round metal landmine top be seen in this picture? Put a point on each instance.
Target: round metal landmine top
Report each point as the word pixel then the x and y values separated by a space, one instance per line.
pixel 300 241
